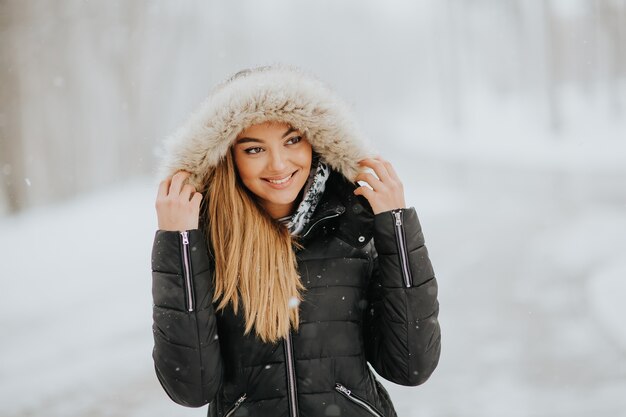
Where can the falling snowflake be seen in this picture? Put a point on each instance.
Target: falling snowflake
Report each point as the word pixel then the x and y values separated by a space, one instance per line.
pixel 294 302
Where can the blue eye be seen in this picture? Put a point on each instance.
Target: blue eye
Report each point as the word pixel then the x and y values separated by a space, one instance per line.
pixel 293 140
pixel 252 151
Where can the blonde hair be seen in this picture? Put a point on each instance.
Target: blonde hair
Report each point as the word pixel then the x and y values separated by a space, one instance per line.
pixel 255 262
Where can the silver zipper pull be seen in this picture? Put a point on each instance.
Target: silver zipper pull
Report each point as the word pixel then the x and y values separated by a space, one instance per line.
pixel 342 389
pixel 355 399
pixel 235 406
pixel 398 217
pixel 240 400
pixel 185 238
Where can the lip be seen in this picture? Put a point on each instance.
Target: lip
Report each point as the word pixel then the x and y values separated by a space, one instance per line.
pixel 282 184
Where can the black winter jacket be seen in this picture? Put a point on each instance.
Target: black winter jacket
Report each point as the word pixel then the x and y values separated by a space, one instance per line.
pixel 371 297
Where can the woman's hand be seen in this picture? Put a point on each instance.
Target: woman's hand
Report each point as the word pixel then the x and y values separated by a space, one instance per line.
pixel 386 192
pixel 178 205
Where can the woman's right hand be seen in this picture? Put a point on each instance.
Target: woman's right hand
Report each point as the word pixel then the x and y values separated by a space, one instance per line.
pixel 178 205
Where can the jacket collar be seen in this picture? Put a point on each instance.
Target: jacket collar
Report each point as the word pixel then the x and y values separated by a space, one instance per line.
pixel 352 213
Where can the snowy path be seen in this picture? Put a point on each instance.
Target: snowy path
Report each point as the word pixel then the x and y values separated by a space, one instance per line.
pixel 518 269
pixel 522 332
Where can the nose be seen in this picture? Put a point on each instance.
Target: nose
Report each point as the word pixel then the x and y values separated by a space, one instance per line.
pixel 277 162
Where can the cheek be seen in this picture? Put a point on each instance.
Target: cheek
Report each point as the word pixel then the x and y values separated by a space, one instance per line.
pixel 245 168
pixel 306 156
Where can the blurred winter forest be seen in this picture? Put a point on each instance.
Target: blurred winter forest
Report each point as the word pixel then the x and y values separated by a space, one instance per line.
pixel 505 118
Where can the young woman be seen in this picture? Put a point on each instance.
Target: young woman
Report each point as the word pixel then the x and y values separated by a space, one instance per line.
pixel 286 259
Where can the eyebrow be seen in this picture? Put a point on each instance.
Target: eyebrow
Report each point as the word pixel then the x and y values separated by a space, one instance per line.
pixel 247 140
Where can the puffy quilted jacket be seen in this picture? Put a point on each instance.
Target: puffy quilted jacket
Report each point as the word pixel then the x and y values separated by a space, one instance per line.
pixel 370 298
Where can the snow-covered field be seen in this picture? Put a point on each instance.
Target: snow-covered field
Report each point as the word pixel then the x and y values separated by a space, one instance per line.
pixel 528 244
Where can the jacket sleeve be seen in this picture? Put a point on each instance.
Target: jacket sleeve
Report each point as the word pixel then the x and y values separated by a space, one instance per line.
pixel 402 334
pixel 186 350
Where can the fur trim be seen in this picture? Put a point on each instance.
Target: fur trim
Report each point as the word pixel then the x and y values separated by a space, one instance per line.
pixel 275 93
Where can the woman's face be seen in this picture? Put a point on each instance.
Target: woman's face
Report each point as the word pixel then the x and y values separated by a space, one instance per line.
pixel 274 161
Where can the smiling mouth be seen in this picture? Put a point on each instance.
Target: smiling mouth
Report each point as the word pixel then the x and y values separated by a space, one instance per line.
pixel 279 181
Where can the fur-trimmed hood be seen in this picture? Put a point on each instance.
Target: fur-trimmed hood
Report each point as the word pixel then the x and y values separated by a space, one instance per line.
pixel 274 93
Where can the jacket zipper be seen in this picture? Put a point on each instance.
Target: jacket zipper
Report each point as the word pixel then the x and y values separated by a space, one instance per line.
pixel 187 270
pixel 235 406
pixel 320 220
pixel 401 241
pixel 291 377
pixel 357 400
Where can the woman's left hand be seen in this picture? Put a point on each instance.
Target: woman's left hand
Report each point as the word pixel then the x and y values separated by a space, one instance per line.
pixel 386 192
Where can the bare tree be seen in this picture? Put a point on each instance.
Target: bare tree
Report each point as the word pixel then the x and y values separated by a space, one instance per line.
pixel 553 61
pixel 11 153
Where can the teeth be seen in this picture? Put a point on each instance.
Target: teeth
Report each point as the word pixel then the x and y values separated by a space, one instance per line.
pixel 280 181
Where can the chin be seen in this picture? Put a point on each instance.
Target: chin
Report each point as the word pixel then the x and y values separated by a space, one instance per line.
pixel 282 199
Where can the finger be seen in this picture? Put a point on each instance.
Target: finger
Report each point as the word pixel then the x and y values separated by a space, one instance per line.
pixel 387 166
pixel 373 182
pixel 164 186
pixel 378 167
pixel 187 192
pixel 366 192
pixel 390 170
pixel 177 182
pixel 196 199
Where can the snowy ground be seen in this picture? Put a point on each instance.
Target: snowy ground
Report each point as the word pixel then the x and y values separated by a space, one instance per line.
pixel 528 249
